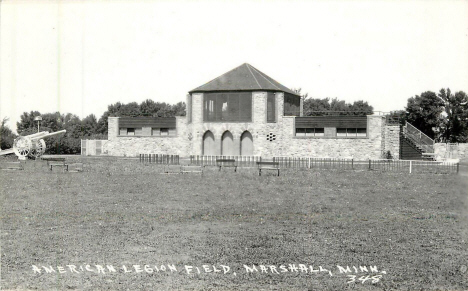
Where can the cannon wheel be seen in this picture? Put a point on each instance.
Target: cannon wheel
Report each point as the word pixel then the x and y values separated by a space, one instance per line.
pixel 22 146
pixel 38 149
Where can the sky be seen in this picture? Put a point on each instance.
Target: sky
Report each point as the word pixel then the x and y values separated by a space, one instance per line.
pixel 81 56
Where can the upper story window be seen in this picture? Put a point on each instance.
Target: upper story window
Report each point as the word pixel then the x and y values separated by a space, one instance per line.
pixel 271 107
pixel 292 105
pixel 227 107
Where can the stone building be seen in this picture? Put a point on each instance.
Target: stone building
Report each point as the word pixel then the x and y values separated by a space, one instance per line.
pixel 245 112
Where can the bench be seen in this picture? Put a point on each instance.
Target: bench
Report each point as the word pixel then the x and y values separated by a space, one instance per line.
pixel 53 164
pixel 224 163
pixel 75 167
pixel 268 166
pixel 192 169
pixel 172 169
pixel 53 160
pixel 12 166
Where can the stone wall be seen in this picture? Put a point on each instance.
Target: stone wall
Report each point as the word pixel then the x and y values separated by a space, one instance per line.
pixel 259 128
pixel 132 146
pixel 445 151
pixel 392 141
pixel 269 139
pixel 364 148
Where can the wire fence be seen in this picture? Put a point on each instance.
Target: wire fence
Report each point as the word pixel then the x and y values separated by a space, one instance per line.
pixel 159 159
pixel 241 161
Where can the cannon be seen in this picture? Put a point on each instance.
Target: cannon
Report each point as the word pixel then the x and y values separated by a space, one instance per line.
pixel 32 145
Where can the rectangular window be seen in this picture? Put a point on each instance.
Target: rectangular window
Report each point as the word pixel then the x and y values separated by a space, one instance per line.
pixel 300 131
pixel 271 107
pixel 233 107
pixel 341 132
pixel 163 131
pixel 319 132
pixel 310 131
pixel 351 132
pixel 130 131
pixel 292 105
pixel 361 132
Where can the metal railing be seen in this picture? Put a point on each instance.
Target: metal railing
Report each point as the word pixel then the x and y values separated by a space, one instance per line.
pixel 311 163
pixel 159 159
pixel 422 141
pixel 241 161
pixel 414 166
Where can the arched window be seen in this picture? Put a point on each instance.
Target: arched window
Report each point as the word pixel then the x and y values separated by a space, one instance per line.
pixel 246 144
pixel 227 144
pixel 209 148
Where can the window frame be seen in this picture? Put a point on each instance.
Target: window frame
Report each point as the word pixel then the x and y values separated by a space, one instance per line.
pixel 313 132
pixel 227 107
pixel 351 132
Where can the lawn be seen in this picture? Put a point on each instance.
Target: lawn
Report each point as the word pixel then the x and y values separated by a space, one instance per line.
pixel 122 225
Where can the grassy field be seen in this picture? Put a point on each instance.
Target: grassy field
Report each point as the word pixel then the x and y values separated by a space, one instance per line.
pixel 126 215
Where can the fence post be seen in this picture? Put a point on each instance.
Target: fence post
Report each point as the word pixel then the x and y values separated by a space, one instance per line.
pixel 352 164
pixel 410 166
pixel 369 164
pixel 458 167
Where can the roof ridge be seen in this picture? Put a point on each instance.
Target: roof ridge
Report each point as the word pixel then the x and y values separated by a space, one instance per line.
pixel 261 74
pixel 248 67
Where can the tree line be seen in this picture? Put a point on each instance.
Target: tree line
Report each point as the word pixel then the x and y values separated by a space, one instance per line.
pixel 442 116
pixel 87 128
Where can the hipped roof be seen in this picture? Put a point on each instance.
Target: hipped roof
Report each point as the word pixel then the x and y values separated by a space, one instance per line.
pixel 243 78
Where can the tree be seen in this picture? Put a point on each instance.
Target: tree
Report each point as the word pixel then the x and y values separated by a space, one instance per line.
pixel 6 135
pixel 316 107
pixel 454 126
pixel 424 112
pixel 398 117
pixel 89 126
pixel 146 108
pixel 361 107
pixel 26 121
pixel 327 106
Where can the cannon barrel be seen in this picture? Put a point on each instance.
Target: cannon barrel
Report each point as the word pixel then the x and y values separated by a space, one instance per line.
pixel 45 134
pixel 38 134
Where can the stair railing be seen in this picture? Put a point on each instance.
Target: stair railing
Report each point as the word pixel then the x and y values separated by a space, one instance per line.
pixel 422 141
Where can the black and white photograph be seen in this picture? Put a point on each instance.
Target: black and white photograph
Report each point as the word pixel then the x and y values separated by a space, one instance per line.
pixel 233 145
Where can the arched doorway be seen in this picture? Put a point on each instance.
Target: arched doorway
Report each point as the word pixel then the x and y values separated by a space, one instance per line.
pixel 209 148
pixel 246 144
pixel 227 144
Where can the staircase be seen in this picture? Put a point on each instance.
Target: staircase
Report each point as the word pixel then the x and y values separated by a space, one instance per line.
pixel 414 144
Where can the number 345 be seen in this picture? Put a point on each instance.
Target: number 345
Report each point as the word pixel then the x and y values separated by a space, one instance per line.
pixel 363 279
